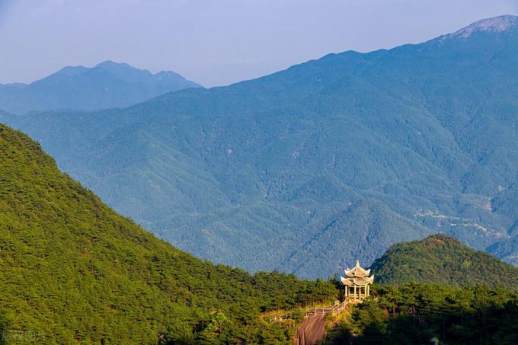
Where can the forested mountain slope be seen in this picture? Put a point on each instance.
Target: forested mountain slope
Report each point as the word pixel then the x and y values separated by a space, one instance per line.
pixel 331 160
pixel 74 272
pixel 435 290
pixel 106 85
pixel 440 259
pixel 431 314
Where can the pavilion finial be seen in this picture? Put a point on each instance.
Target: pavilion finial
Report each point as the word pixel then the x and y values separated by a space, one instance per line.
pixel 357 263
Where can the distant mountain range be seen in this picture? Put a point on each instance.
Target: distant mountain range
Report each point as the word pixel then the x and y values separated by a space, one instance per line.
pixel 107 85
pixel 440 259
pixel 309 168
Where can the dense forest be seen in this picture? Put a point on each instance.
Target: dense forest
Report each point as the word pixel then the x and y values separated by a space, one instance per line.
pixel 416 314
pixel 73 271
pixel 435 291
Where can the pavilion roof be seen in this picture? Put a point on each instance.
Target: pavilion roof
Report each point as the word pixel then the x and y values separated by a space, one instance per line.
pixel 357 271
pixel 357 281
pixel 357 276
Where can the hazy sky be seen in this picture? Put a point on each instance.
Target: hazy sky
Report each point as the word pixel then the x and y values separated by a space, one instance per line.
pixel 216 42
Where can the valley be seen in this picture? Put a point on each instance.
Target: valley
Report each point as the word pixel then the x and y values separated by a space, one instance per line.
pixel 328 161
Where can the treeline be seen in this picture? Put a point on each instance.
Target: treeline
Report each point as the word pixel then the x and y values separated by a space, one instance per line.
pixel 432 314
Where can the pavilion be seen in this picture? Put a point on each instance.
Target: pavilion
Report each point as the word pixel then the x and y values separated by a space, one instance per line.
pixel 357 283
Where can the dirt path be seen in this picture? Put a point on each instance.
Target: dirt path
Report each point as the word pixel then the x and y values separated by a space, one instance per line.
pixel 311 331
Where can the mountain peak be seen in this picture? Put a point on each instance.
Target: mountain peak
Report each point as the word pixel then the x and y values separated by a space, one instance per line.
pixel 442 259
pixel 496 24
pixel 110 84
pixel 110 65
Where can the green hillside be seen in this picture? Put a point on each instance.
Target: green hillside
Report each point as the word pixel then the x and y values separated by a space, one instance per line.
pixel 440 259
pixel 434 291
pixel 73 271
pixel 328 161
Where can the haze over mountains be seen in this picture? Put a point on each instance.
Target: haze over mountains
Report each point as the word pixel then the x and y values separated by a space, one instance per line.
pixel 107 85
pixel 331 160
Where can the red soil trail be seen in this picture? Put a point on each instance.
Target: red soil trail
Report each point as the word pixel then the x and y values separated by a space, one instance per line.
pixel 311 331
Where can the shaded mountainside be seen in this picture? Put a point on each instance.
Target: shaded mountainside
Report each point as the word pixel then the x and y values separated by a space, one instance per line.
pixel 5 116
pixel 329 161
pixel 73 271
pixel 440 259
pixel 106 85
pixel 431 314
pixel 434 291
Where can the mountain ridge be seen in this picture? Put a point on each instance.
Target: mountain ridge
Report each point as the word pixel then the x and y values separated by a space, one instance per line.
pixel 105 85
pixel 496 24
pixel 312 167
pixel 440 259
